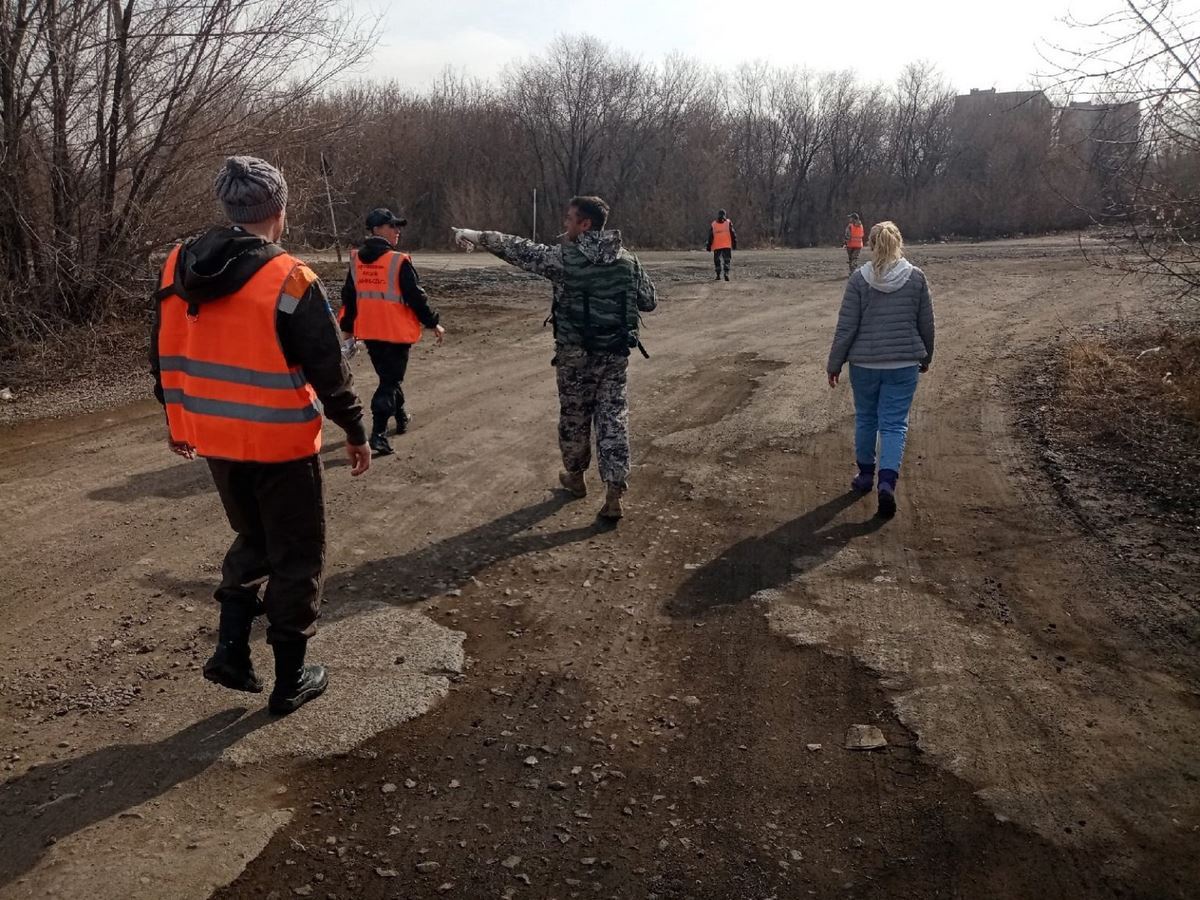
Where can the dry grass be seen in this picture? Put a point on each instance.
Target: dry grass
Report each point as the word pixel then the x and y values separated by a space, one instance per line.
pixel 115 349
pixel 1118 422
pixel 1157 375
pixel 1127 412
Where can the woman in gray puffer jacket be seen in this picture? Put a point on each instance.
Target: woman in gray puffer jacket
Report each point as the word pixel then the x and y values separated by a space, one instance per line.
pixel 885 331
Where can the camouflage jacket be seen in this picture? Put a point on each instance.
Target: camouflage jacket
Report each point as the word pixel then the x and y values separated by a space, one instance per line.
pixel 599 287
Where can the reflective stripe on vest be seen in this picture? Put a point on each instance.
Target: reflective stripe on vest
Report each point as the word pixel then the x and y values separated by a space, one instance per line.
pixel 236 374
pixel 228 389
pixel 246 412
pixel 855 241
pixel 382 313
pixel 722 235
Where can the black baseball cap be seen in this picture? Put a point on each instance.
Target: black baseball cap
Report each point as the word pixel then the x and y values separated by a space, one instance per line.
pixel 384 216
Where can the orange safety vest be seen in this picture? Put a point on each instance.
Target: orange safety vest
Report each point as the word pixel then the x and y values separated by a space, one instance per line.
pixel 855 241
pixel 722 235
pixel 229 390
pixel 382 313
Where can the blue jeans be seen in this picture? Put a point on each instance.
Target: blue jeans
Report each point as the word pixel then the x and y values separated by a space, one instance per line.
pixel 882 399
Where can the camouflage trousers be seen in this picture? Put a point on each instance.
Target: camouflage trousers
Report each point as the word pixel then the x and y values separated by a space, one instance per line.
pixel 852 257
pixel 592 390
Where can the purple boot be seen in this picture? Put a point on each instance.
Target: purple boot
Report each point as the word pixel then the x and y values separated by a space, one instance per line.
pixel 887 493
pixel 864 480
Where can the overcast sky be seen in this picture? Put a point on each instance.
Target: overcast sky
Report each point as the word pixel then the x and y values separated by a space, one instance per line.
pixel 993 44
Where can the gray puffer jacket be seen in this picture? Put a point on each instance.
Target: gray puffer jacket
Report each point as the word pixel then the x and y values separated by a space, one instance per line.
pixel 884 320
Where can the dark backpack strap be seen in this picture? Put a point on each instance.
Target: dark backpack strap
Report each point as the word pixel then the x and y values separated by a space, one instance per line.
pixel 631 298
pixel 170 290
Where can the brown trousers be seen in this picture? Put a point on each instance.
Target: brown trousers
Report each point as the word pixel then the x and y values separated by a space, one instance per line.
pixel 278 512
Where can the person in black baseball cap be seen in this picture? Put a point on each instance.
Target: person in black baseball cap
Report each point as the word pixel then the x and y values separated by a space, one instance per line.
pixel 384 305
pixel 383 216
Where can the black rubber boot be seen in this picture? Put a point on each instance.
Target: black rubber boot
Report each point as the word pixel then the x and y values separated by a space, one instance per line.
pixel 378 441
pixel 402 420
pixel 380 445
pixel 230 665
pixel 295 682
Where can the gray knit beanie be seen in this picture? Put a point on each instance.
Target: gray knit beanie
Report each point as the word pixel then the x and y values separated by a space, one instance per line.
pixel 250 189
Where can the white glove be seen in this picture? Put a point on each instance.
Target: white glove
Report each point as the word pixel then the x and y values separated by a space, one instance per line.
pixel 467 238
pixel 349 348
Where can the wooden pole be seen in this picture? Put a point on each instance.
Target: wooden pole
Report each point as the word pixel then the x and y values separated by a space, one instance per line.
pixel 337 246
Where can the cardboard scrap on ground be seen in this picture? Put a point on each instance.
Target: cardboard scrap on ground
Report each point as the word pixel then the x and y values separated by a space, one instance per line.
pixel 864 737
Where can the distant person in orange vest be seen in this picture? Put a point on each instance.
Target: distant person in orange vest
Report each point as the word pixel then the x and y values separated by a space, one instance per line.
pixel 722 241
pixel 243 346
pixel 853 241
pixel 384 305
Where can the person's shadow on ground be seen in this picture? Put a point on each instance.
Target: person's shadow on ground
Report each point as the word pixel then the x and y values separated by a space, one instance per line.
pixel 178 481
pixel 52 801
pixel 441 566
pixel 174 482
pixel 771 560
pixel 448 564
pixel 334 457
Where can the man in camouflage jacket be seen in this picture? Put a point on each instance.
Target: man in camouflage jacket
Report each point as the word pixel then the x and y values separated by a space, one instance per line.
pixel 599 291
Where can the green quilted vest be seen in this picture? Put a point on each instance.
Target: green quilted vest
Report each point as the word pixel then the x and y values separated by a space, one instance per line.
pixel 597 309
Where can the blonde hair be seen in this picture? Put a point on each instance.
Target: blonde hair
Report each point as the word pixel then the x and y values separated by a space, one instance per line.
pixel 887 246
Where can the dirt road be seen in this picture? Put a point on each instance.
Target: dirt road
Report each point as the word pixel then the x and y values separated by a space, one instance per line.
pixel 526 704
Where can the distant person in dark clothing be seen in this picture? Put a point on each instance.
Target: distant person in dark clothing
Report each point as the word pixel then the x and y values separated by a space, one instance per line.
pixel 722 241
pixel 384 305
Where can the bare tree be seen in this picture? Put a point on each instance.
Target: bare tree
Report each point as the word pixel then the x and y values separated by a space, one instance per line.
pixel 573 103
pixel 1144 55
pixel 918 128
pixel 856 122
pixel 114 112
pixel 806 123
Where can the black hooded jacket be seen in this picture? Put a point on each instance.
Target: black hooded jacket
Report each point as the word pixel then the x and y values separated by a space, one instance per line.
pixel 410 286
pixel 220 262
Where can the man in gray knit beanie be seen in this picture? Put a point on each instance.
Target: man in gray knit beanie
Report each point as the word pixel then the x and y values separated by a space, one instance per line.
pixel 250 189
pixel 243 347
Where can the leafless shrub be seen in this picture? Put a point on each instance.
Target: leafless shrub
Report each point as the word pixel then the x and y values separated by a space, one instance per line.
pixel 114 113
